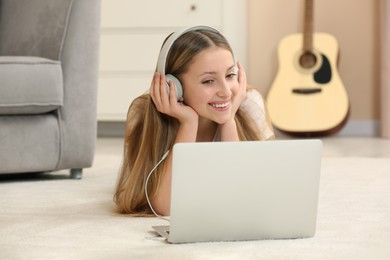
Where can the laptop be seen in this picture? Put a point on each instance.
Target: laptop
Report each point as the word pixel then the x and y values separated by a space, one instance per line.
pixel 230 191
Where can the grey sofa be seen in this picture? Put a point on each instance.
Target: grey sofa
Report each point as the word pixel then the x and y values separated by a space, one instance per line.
pixel 48 84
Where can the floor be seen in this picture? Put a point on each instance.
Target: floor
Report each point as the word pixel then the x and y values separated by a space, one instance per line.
pixel 356 147
pixel 49 216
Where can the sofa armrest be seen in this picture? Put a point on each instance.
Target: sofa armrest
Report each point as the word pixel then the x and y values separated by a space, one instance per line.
pixel 80 60
pixel 30 85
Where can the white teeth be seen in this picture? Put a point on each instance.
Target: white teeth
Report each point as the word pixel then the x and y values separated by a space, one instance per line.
pixel 220 105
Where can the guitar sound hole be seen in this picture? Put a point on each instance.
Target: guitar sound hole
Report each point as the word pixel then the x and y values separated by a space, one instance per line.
pixel 307 60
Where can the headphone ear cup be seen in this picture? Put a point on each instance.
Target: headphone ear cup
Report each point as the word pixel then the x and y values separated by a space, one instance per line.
pixel 179 88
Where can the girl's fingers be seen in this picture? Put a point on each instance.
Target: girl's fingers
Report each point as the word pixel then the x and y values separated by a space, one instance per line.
pixel 172 92
pixel 241 72
pixel 242 81
pixel 163 92
pixel 164 102
pixel 154 91
pixel 159 93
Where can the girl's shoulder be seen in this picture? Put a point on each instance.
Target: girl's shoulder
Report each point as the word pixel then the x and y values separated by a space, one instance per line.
pixel 254 106
pixel 253 100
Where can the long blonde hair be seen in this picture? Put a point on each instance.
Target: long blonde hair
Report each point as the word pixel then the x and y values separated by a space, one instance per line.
pixel 149 133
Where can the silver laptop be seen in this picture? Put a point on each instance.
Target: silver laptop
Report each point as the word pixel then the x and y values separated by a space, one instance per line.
pixel 227 191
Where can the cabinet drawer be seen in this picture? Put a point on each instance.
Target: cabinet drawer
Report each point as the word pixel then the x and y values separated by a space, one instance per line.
pixel 115 94
pixel 157 13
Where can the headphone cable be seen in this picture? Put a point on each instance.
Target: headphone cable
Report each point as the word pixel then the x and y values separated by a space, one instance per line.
pixel 146 186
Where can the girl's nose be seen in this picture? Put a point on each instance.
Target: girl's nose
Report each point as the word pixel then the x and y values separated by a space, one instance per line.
pixel 224 90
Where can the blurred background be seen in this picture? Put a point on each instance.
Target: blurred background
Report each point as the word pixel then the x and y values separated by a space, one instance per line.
pixel 132 33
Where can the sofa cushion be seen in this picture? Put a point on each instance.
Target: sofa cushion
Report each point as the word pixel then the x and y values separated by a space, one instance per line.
pixel 29 143
pixel 30 85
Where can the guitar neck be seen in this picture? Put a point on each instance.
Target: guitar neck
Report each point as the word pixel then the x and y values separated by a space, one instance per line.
pixel 308 27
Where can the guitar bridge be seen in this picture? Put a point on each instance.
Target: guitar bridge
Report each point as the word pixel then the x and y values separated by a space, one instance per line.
pixel 306 91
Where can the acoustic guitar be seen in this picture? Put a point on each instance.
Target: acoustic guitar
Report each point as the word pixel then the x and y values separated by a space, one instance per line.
pixel 307 96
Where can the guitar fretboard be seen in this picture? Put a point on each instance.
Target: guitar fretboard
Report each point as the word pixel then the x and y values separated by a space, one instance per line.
pixel 308 27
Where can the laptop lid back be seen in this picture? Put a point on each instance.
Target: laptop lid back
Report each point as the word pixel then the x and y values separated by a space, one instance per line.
pixel 244 190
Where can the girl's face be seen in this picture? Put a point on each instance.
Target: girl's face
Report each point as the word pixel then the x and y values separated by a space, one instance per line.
pixel 210 83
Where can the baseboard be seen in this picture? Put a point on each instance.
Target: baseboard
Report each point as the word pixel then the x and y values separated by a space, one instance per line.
pixel 365 128
pixel 368 128
pixel 111 129
pixel 356 128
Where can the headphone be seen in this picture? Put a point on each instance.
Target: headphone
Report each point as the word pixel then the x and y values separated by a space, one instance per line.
pixel 162 58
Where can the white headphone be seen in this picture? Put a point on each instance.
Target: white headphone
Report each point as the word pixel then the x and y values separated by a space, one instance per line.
pixel 162 58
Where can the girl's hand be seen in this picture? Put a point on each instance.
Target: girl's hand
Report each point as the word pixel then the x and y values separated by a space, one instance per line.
pixel 168 104
pixel 242 87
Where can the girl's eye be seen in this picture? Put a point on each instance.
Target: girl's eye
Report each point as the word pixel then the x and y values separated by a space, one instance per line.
pixel 231 75
pixel 210 81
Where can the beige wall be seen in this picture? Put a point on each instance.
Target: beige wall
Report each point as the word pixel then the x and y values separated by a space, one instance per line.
pixel 353 22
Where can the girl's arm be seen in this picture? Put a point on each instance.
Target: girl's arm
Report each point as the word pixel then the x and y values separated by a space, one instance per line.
pixel 187 132
pixel 162 201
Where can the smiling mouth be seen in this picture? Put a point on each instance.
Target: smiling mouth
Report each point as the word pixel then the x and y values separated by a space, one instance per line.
pixel 220 106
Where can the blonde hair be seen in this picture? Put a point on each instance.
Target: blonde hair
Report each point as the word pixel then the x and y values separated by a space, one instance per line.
pixel 149 133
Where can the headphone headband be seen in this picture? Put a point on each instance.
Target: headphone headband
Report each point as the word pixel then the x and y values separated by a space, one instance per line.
pixel 162 58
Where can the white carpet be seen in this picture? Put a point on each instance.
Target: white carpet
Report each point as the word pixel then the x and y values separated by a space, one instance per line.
pixel 55 218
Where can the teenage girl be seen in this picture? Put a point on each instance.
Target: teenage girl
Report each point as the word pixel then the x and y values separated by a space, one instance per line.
pixel 216 105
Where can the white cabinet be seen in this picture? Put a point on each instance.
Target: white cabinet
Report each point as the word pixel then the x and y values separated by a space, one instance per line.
pixel 131 37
